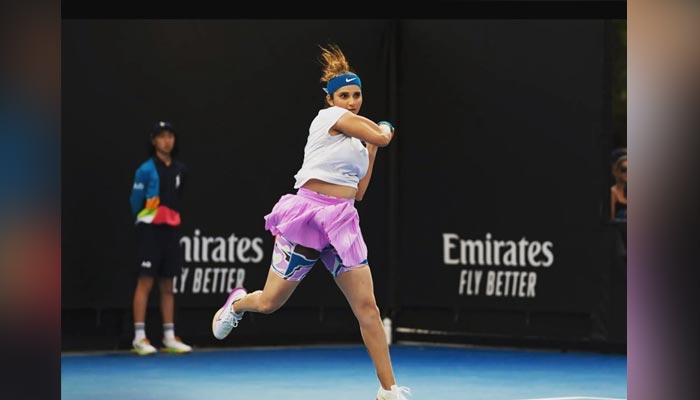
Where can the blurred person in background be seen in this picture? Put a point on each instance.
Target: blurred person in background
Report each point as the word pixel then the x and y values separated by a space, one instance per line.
pixel 618 191
pixel 155 203
pixel 618 201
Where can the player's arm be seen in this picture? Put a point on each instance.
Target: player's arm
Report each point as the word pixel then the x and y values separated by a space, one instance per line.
pixel 378 134
pixel 364 182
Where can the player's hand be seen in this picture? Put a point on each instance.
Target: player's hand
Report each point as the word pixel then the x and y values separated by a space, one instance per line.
pixel 387 129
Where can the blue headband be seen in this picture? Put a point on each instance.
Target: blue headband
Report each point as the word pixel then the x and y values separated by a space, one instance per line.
pixel 340 81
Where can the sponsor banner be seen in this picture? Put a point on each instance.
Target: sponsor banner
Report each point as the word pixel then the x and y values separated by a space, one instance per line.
pixel 502 171
pixel 500 268
pixel 216 264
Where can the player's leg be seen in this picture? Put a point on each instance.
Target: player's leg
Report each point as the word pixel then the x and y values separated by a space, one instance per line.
pixel 357 286
pixel 290 264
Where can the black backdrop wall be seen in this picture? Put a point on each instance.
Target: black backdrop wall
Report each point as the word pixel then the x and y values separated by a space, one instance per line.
pixel 483 218
pixel 500 177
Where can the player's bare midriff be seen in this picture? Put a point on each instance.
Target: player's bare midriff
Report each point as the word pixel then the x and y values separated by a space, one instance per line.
pixel 330 189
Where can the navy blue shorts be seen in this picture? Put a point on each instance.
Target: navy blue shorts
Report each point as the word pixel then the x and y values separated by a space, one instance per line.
pixel 158 250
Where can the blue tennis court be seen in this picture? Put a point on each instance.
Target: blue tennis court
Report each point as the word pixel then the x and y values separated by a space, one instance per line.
pixel 344 373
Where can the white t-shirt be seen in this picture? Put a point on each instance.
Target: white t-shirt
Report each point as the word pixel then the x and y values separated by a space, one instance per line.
pixel 338 159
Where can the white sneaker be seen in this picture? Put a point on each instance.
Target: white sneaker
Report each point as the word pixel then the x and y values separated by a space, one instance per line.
pixel 143 347
pixel 175 346
pixel 396 393
pixel 225 320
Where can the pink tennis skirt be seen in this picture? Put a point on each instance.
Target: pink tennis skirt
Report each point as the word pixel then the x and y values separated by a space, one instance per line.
pixel 318 221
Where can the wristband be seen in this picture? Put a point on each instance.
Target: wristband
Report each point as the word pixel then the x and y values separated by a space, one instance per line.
pixel 387 123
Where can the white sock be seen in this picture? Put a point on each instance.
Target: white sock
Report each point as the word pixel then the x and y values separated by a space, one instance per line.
pixel 139 331
pixel 388 390
pixel 169 332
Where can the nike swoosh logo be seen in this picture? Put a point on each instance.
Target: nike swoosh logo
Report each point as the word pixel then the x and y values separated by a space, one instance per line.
pixel 349 80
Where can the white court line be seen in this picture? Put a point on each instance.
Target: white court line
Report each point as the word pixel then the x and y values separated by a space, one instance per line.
pixel 576 398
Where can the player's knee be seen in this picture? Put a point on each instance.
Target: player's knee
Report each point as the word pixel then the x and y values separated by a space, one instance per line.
pixel 367 311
